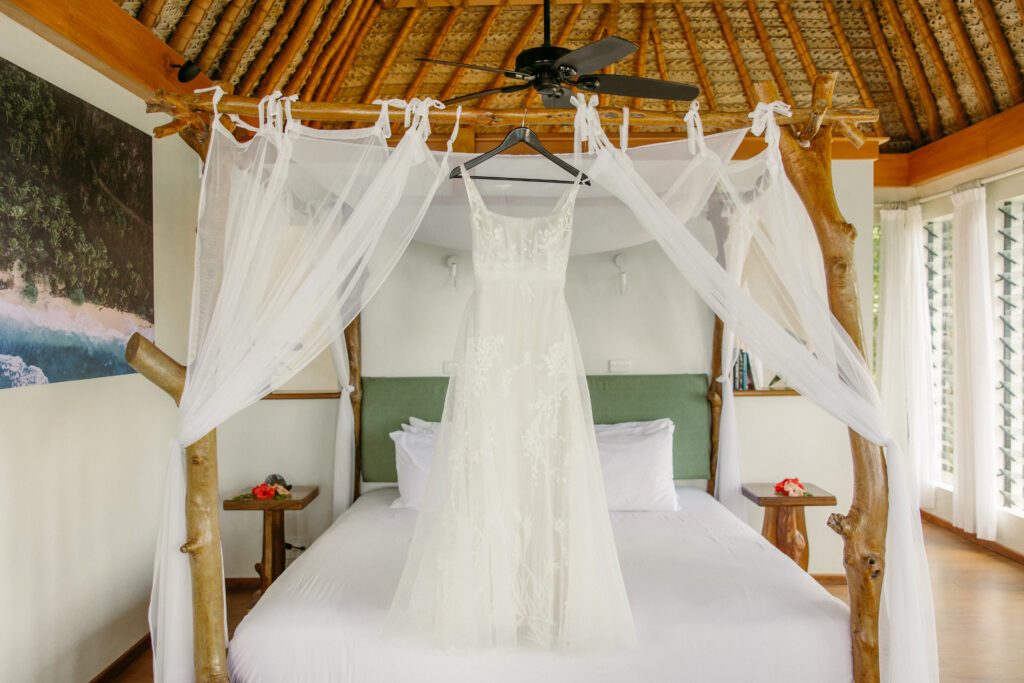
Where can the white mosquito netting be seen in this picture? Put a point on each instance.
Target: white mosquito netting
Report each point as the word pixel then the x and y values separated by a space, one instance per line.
pixel 299 227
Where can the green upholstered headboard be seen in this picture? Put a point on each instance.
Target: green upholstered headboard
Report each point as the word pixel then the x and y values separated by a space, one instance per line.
pixel 390 401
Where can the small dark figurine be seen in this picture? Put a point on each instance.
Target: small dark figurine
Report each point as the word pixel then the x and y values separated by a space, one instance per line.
pixel 277 479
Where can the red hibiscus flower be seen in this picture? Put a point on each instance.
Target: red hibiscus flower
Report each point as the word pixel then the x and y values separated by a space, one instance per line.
pixel 264 492
pixel 789 487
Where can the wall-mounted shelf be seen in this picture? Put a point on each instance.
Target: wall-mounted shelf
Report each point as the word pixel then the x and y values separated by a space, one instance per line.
pixel 767 392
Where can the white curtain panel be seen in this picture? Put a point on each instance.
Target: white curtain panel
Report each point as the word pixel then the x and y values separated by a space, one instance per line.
pixel 974 380
pixel 297 229
pixel 815 356
pixel 344 432
pixel 904 347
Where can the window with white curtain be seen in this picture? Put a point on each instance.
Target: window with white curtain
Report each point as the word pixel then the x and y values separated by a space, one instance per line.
pixel 1010 354
pixel 939 262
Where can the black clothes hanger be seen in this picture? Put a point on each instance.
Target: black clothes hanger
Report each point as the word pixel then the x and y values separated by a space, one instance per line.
pixel 514 137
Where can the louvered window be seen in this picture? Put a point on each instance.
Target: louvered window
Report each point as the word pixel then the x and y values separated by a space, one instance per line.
pixel 1010 354
pixel 939 262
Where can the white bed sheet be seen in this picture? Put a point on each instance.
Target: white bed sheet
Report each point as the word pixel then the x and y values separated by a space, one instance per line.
pixel 712 601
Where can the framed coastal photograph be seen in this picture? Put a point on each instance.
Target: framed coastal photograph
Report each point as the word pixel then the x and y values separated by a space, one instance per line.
pixel 76 235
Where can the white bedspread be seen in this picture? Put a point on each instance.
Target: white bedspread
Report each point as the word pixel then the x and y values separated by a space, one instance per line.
pixel 712 601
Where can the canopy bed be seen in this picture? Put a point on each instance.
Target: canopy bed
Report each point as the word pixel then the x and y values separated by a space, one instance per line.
pixel 268 299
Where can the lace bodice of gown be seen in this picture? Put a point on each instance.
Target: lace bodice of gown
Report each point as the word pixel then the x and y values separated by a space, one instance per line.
pixel 513 545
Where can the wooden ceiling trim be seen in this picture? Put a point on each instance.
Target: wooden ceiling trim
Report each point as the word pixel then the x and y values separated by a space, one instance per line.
pixel 274 79
pixel 532 96
pixel 225 27
pixel 150 12
pixel 797 38
pixel 968 56
pixel 244 39
pixel 851 63
pixel 924 91
pixel 373 89
pixel 698 60
pixel 470 54
pixel 186 28
pixel 646 20
pixel 435 49
pixel 734 51
pixel 509 62
pixel 284 24
pixel 1004 55
pixel 329 61
pixel 769 52
pixel 935 54
pixel 316 46
pixel 350 57
pixel 892 73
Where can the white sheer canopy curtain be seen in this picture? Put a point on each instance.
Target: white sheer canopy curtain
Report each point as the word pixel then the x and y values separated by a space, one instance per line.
pixel 297 229
pixel 904 346
pixel 793 332
pixel 975 504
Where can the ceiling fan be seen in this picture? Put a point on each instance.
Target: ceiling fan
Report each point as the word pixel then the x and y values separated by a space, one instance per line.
pixel 548 69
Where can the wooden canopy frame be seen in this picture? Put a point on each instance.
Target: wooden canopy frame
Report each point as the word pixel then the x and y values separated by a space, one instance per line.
pixel 806 148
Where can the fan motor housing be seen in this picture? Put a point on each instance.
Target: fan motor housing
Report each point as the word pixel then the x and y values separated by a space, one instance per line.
pixel 537 59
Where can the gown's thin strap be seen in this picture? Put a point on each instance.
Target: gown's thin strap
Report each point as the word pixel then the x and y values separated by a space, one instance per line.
pixel 471 191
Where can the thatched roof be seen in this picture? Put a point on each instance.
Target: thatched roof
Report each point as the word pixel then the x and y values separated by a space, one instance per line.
pixel 931 67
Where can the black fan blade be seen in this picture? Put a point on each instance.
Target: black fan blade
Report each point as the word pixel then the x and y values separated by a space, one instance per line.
pixel 559 100
pixel 634 86
pixel 596 56
pixel 509 74
pixel 485 93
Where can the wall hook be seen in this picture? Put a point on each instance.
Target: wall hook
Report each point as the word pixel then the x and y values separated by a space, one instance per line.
pixel 453 270
pixel 620 263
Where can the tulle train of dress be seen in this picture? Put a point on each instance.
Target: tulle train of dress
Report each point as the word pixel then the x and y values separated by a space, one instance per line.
pixel 513 546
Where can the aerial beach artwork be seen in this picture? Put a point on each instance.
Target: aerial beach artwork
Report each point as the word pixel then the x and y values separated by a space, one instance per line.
pixel 76 235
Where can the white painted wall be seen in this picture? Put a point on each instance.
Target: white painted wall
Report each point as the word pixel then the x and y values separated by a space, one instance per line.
pixel 83 461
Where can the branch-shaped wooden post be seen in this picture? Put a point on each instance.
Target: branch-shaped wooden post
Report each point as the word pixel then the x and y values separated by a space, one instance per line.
pixel 201 517
pixel 863 528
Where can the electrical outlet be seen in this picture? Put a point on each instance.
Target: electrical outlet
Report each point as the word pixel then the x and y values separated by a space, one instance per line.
pixel 620 365
pixel 448 367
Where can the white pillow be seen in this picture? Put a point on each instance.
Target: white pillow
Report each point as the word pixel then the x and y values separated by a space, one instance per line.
pixel 413 454
pixel 417 423
pixel 636 464
pixel 643 426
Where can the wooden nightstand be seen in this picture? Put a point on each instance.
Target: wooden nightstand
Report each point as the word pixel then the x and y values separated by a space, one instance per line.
pixel 784 524
pixel 273 528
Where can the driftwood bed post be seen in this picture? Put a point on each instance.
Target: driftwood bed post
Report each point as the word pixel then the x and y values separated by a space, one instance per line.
pixel 202 519
pixel 863 528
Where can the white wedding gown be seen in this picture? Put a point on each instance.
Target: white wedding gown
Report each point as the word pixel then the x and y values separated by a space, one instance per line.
pixel 513 546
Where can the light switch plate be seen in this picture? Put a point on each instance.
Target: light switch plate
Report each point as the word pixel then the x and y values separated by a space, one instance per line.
pixel 620 365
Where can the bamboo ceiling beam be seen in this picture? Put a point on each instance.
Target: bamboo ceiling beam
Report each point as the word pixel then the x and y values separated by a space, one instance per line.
pixel 186 28
pixel 510 58
pixel 611 26
pixel 924 91
pixel 270 47
pixel 350 58
pixel 769 52
pixel 329 61
pixel 532 96
pixel 997 39
pixel 892 73
pixel 150 12
pixel 646 21
pixel 796 37
pixel 470 54
pixel 224 28
pixel 938 61
pixel 968 56
pixel 396 4
pixel 311 57
pixel 373 89
pixel 659 58
pixel 435 49
pixel 274 78
pixel 1020 9
pixel 854 68
pixel 243 40
pixel 735 53
pixel 698 60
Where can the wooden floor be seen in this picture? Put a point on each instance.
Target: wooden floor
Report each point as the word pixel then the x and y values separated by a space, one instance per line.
pixel 979 611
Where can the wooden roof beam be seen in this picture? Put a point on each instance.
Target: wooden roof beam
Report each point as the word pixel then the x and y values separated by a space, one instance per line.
pixel 470 54
pixel 769 52
pixel 797 38
pixel 221 32
pixel 968 56
pixel 329 61
pixel 646 21
pixel 150 12
pixel 734 52
pixel 396 4
pixel 274 78
pixel 186 28
pixel 509 62
pixel 892 73
pixel 924 91
pixel 435 49
pixel 254 72
pixel 659 58
pixel 854 68
pixel 997 39
pixel 373 89
pixel 935 54
pixel 244 39
pixel 698 60
pixel 350 57
pixel 327 26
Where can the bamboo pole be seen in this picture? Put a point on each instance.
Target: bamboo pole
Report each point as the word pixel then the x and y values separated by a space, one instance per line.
pixel 329 61
pixel 863 528
pixel 892 73
pixel 311 57
pixel 698 60
pixel 277 35
pixel 797 38
pixel 202 520
pixel 470 54
pixel 924 90
pixel 851 64
pixel 225 25
pixel 509 62
pixel 373 89
pixel 353 52
pixel 646 20
pixel 734 52
pixel 274 78
pixel 435 49
pixel 1001 47
pixel 150 12
pixel 932 47
pixel 194 15
pixel 244 38
pixel 968 56
pixel 769 52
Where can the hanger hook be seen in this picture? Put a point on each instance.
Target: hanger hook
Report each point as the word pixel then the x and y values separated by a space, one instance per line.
pixel 523 124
